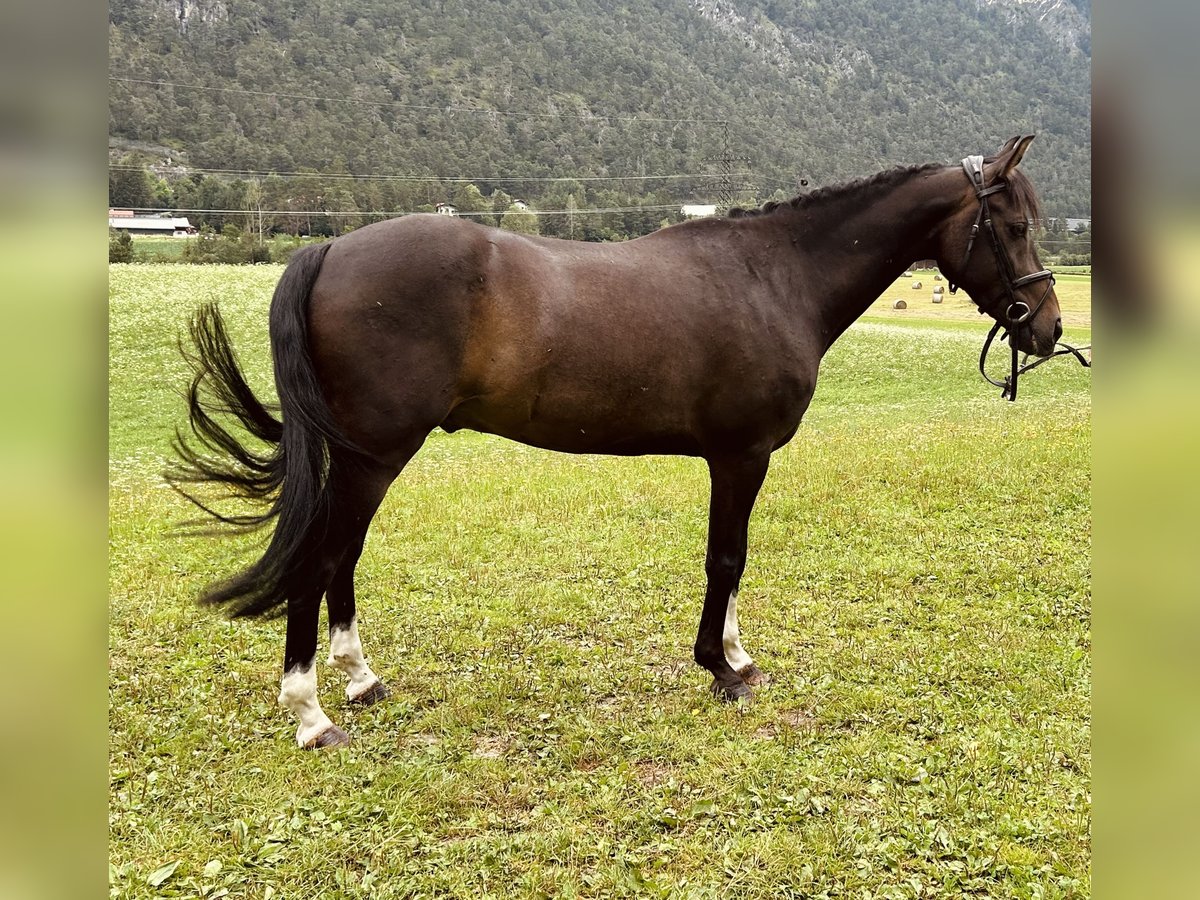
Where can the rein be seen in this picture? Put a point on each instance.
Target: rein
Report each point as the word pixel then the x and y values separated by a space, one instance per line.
pixel 1008 387
pixel 1017 312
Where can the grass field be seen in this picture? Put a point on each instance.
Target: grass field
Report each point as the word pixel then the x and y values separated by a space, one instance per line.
pixel 918 587
pixel 152 248
pixel 156 249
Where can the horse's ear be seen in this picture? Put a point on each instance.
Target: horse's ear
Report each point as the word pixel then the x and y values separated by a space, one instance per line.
pixel 1008 145
pixel 1009 157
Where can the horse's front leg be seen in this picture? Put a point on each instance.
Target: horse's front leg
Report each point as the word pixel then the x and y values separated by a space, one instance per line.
pixel 735 485
pixel 739 660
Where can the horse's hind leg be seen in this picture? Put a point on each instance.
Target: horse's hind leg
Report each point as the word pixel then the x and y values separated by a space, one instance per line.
pixel 298 690
pixel 345 647
pixel 357 490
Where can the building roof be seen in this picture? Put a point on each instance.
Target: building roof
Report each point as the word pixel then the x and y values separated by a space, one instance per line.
pixel 149 223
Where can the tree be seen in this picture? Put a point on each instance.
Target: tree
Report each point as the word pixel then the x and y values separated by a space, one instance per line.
pixel 340 202
pixel 254 208
pixel 469 199
pixel 608 75
pixel 500 201
pixel 522 221
pixel 120 246
pixel 129 185
pixel 570 207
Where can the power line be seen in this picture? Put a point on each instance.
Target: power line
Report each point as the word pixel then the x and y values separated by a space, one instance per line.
pixel 460 213
pixel 125 167
pixel 415 106
pixel 398 213
pixel 839 147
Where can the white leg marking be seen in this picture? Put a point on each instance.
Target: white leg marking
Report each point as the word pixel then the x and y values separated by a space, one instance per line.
pixel 299 694
pixel 345 654
pixel 734 654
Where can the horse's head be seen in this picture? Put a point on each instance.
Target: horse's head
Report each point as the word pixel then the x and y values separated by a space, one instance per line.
pixel 987 246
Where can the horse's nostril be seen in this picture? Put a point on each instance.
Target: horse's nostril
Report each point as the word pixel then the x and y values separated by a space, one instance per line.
pixel 1058 328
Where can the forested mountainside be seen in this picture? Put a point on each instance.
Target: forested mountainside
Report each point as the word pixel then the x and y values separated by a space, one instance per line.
pixel 509 94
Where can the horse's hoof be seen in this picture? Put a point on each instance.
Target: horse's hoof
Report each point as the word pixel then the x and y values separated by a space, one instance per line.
pixel 376 692
pixel 330 737
pixel 739 693
pixel 753 675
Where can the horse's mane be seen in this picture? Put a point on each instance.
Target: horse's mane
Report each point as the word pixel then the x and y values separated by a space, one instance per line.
pixel 886 178
pixel 1019 184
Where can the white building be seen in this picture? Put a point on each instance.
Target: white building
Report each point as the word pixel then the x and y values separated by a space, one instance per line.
pixel 171 226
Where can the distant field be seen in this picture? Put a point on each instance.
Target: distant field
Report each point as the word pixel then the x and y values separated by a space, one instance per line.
pixel 1074 293
pixel 151 248
pixel 927 733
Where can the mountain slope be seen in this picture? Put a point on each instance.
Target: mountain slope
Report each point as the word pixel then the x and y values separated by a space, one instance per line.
pixel 582 87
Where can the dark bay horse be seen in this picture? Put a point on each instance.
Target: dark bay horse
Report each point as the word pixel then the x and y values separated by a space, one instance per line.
pixel 702 339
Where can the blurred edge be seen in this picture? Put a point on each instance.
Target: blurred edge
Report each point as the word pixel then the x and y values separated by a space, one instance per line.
pixel 53 397
pixel 1146 185
pixel 52 448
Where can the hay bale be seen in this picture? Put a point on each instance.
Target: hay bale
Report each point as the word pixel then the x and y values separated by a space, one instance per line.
pixel 907 274
pixel 916 285
pixel 937 289
pixel 937 277
pixel 937 297
pixel 899 304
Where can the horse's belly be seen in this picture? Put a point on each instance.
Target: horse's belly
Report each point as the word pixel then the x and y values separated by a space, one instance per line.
pixel 581 428
pixel 613 445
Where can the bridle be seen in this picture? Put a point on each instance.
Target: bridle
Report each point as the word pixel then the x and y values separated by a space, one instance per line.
pixel 1018 313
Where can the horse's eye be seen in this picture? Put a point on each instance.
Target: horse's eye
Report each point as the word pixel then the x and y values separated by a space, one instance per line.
pixel 1020 229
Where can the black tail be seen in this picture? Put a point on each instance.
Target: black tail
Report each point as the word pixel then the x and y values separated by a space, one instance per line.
pixel 290 476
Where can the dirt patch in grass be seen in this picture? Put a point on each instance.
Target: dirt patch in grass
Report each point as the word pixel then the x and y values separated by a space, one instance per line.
pixel 490 746
pixel 787 720
pixel 651 773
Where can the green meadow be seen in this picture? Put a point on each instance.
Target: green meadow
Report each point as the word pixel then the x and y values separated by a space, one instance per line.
pixel 918 588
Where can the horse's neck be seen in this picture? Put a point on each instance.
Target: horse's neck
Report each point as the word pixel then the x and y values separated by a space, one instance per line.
pixel 857 245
